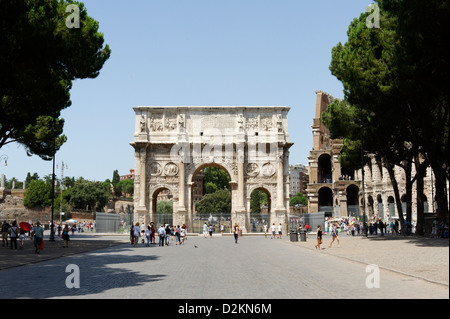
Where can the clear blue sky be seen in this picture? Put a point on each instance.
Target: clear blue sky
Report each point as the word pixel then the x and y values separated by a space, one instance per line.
pixel 196 52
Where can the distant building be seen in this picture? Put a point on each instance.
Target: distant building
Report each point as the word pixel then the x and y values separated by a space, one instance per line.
pixel 128 176
pixel 298 177
pixel 197 188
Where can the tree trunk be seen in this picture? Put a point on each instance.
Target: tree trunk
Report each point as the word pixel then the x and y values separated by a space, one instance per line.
pixel 390 169
pixel 420 173
pixel 441 196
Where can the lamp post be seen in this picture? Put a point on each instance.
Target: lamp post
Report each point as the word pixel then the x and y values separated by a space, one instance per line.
pixel 63 166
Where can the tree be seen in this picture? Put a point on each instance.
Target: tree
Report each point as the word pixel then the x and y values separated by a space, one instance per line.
pixel 215 203
pixel 298 199
pixel 125 187
pixel 164 207
pixel 43 62
pixel 89 195
pixel 216 176
pixel 38 194
pixel 257 198
pixel 115 182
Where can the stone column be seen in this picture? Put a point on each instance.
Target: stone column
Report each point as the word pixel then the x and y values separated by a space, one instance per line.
pixel 182 187
pixel 143 178
pixel 280 185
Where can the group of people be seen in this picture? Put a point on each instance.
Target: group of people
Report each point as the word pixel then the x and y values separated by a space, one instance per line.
pixel 165 233
pixel 439 229
pixel 16 233
pixel 334 232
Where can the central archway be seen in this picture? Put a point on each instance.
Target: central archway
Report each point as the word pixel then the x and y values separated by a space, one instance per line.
pixel 209 197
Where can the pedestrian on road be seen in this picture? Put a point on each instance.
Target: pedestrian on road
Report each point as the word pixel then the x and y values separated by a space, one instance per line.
pixel 279 231
pixel 210 229
pixel 148 233
pixel 222 228
pixel 14 234
pixel 265 230
pixel 185 231
pixel 136 234
pixel 205 230
pixel 334 234
pixel 319 237
pixel 5 232
pixel 162 234
pixel 273 228
pixel 182 235
pixel 178 235
pixel 22 237
pixel 153 234
pixel 38 235
pixel 65 236
pixel 236 233
pixel 167 235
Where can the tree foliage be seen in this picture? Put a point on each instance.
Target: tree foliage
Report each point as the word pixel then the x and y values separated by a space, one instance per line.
pixel 216 176
pixel 89 195
pixel 38 194
pixel 40 57
pixel 215 203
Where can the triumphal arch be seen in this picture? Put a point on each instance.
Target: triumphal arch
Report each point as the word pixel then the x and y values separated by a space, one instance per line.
pixel 173 143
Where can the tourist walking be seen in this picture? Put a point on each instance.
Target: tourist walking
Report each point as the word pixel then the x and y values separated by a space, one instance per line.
pixel 148 233
pixel 222 228
pixel 319 237
pixel 153 234
pixel 21 237
pixel 265 230
pixel 14 234
pixel 162 234
pixel 167 235
pixel 38 235
pixel 136 234
pixel 5 233
pixel 334 234
pixel 210 230
pixel 65 236
pixel 273 229
pixel 178 235
pixel 205 230
pixel 279 231
pixel 182 235
pixel 236 233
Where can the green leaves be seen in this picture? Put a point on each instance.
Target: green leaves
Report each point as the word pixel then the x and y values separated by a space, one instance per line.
pixel 39 58
pixel 215 203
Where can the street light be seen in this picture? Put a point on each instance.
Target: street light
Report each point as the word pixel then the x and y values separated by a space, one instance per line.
pixel 4 157
pixel 63 166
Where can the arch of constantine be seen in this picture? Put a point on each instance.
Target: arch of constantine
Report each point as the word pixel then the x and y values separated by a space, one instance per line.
pixel 172 143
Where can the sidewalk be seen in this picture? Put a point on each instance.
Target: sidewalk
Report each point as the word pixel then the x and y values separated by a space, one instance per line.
pixel 419 257
pixel 54 249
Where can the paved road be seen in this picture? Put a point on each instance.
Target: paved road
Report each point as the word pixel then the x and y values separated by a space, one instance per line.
pixel 255 268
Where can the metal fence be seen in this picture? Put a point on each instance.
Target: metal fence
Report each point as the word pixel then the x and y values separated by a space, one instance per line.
pixel 110 222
